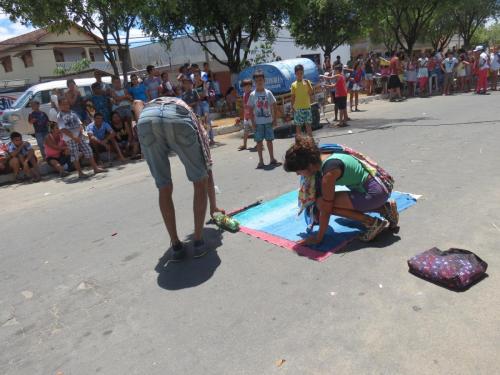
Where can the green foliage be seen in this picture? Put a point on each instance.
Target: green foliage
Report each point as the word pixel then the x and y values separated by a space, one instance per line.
pixel 263 53
pixel 408 20
pixel 487 35
pixel 325 24
pixel 442 27
pixel 74 68
pixel 226 26
pixel 470 16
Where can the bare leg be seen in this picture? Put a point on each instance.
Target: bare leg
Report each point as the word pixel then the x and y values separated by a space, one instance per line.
pixel 309 130
pixel 298 132
pixel 15 166
pixel 271 151
pixel 356 100
pixel 199 207
pixel 168 212
pixel 259 151
pixel 211 195
pixel 58 167
pixel 117 149
pixel 76 164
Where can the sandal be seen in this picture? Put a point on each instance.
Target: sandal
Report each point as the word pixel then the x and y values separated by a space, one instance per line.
pixel 260 166
pixel 373 230
pixel 275 163
pixel 241 148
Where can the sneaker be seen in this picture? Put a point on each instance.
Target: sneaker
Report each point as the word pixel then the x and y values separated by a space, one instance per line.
pixel 390 213
pixel 373 230
pixel 199 249
pixel 177 253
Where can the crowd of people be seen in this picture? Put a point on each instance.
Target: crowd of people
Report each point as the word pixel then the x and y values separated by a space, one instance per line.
pixel 423 73
pixel 79 127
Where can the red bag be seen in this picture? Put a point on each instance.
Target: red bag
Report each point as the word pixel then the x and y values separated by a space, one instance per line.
pixel 456 269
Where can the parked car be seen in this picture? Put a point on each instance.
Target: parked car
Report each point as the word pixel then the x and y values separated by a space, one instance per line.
pixel 15 118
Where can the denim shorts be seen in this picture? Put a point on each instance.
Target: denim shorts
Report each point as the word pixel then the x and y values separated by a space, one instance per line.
pixel 202 108
pixel 302 117
pixel 264 131
pixel 166 128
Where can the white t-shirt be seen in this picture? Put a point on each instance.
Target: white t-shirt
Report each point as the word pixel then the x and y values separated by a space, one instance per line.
pixel 262 102
pixel 449 64
pixel 71 121
pixel 495 61
pixel 483 61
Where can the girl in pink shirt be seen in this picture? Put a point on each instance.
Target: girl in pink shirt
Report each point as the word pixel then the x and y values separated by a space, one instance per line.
pixel 56 150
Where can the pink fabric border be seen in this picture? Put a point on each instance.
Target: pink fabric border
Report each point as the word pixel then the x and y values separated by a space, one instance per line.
pixel 319 256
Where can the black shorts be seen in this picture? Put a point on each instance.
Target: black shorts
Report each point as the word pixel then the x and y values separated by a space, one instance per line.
pixel 63 159
pixel 394 82
pixel 341 102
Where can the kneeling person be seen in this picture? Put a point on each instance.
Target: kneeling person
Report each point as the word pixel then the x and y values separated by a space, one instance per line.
pixel 367 194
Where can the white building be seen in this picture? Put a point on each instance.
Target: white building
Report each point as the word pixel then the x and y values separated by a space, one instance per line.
pixel 184 50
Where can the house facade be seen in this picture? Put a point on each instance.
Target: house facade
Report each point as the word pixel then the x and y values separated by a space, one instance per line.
pixel 37 54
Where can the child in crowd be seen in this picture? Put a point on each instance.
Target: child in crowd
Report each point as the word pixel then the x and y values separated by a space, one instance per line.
pixel 385 72
pixel 166 86
pixel 462 72
pixel 71 127
pixel 22 158
pixel 423 74
pixel 369 71
pixel 448 67
pixel 125 136
pixel 247 113
pixel 152 83
pixel 356 77
pixel 203 108
pixel 264 111
pixel 101 101
pixel 302 92
pixel 411 76
pixel 40 122
pixel 4 158
pixel 57 150
pixel 340 86
pixel 102 138
pixel 137 89
pixel 122 100
pixel 189 95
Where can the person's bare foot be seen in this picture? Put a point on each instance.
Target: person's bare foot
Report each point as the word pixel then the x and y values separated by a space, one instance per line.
pixel 99 170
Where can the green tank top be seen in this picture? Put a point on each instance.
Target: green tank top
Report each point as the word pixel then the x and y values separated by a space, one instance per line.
pixel 354 175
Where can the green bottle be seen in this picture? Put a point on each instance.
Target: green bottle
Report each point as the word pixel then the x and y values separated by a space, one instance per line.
pixel 226 222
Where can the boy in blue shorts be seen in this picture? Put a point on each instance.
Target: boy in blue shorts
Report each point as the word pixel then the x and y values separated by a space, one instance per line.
pixel 301 101
pixel 264 109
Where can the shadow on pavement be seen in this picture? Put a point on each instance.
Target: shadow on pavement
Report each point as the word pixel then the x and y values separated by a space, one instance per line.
pixel 190 272
pixel 385 239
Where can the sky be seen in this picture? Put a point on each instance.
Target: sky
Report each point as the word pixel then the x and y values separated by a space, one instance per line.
pixel 9 29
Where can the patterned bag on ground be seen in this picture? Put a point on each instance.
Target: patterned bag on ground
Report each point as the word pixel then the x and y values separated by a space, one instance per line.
pixel 454 268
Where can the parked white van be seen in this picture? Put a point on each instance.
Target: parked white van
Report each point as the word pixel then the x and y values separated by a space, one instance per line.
pixel 16 117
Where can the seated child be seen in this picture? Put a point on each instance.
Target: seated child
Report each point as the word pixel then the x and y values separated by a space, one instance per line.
pixel 22 158
pixel 56 150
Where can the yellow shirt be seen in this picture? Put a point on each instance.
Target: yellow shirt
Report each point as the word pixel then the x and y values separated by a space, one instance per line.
pixel 301 92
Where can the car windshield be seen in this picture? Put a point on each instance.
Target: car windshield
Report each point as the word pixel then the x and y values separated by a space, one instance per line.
pixel 22 100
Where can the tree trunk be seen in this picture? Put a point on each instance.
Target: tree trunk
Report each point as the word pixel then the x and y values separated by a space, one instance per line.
pixel 124 55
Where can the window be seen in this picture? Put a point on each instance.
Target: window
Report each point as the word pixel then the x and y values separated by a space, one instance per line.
pixel 42 97
pixel 6 63
pixel 27 59
pixel 59 56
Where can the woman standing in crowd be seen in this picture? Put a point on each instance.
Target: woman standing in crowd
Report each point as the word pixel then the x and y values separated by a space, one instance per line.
pixel 411 76
pixel 369 70
pixel 137 89
pixel 75 100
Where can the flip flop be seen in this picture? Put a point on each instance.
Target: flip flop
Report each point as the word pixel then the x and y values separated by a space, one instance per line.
pixel 260 166
pixel 275 163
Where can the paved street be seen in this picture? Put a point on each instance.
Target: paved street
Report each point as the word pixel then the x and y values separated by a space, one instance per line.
pixel 82 291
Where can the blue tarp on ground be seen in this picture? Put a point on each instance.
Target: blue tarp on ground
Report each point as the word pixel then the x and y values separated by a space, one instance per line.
pixel 278 217
pixel 280 74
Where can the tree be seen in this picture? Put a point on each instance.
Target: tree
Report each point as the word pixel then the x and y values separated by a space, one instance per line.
pixel 74 68
pixel 225 29
pixel 441 28
pixel 383 33
pixel 112 19
pixel 408 20
pixel 325 24
pixel 471 15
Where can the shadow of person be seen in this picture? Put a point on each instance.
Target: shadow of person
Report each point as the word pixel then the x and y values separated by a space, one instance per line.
pixel 384 239
pixel 190 272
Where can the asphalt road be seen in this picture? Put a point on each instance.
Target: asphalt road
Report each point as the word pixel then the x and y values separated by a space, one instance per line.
pixel 82 290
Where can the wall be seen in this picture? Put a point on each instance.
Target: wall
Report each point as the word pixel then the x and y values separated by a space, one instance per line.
pixel 43 56
pixel 184 50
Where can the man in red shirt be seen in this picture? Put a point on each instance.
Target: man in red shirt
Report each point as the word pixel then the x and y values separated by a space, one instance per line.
pixel 394 84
